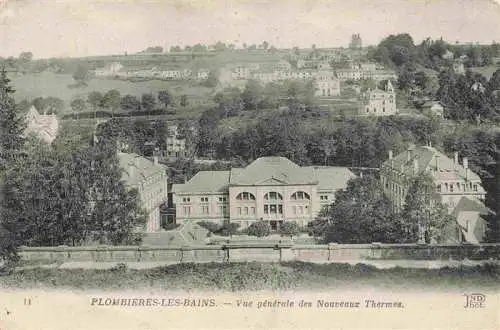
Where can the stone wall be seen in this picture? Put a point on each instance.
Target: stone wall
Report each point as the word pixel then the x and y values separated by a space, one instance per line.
pixel 263 252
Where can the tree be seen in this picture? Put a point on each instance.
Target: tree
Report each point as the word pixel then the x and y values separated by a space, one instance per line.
pixel 25 57
pixel 53 105
pixel 289 228
pixel 259 229
pixel 81 74
pixel 361 214
pixel 251 95
pixel 130 103
pixel 78 105
pixel 11 124
pixel 212 79
pixel 11 142
pixel 165 98
pixel 111 100
pixel 425 218
pixel 184 101
pixel 95 100
pixel 148 102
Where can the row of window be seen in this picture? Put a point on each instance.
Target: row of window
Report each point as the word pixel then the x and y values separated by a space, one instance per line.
pixel 456 187
pixel 221 210
pixel 204 199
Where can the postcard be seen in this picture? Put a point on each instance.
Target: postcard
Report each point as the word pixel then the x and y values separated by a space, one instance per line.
pixel 287 164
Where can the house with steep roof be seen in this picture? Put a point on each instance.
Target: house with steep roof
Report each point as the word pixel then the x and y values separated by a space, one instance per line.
pixel 327 84
pixel 43 126
pixel 272 189
pixel 150 180
pixel 455 183
pixel 434 107
pixel 379 102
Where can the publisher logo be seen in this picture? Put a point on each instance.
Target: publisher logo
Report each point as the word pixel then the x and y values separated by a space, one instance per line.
pixel 474 300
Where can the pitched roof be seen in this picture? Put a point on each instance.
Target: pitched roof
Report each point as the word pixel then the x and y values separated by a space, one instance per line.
pixel 330 177
pixel 466 204
pixel 205 182
pixel 272 170
pixel 426 160
pixel 429 104
pixel 137 168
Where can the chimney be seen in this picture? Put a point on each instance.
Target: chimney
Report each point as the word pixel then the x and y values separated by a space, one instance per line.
pixel 415 166
pixel 437 162
pixel 390 154
pixel 408 153
pixel 466 167
pixel 455 163
pixel 155 160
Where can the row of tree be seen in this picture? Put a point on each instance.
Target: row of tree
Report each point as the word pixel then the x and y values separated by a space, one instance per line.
pixel 65 194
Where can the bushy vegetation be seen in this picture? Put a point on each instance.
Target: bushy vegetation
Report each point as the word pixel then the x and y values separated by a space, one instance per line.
pixel 256 276
pixel 226 229
pixel 259 229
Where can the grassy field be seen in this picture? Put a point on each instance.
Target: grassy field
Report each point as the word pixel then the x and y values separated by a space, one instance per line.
pixel 257 276
pixel 50 84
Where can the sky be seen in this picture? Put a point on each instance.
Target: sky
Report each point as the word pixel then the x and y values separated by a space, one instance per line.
pixel 55 28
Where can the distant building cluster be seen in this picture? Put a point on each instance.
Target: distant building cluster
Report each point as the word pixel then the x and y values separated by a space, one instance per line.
pixel 327 84
pixel 364 71
pixel 176 145
pixel 117 70
pixel 43 126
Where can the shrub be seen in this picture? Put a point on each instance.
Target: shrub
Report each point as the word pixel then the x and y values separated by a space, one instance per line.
pixel 289 228
pixel 210 226
pixel 259 229
pixel 228 229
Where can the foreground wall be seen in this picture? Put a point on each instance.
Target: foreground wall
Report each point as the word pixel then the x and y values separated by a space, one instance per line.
pixel 261 252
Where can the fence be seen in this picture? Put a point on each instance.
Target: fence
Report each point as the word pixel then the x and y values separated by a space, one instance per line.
pixel 260 252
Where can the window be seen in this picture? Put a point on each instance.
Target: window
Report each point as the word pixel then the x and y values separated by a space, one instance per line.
pixel 294 209
pixel 323 197
pixel 186 200
pixel 245 210
pixel 300 195
pixel 451 187
pixel 186 210
pixel 223 210
pixel 204 199
pixel 204 209
pixel 245 196
pixel 239 210
pixel 273 203
pixel 252 210
pixel 439 188
pixel 301 209
pixel 475 187
pixel 223 199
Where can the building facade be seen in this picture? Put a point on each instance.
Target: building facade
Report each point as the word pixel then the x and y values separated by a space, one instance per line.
pixel 379 102
pixel 327 84
pixel 150 180
pixel 453 181
pixel 271 189
pixel 43 126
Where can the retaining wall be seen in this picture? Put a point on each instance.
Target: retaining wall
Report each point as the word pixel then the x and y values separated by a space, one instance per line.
pixel 260 252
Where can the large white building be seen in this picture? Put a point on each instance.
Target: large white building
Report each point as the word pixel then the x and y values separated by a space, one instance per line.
pixel 458 188
pixel 43 126
pixel 150 180
pixel 327 84
pixel 272 189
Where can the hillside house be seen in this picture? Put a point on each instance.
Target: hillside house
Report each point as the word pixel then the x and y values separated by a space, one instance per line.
pixel 45 127
pixel 379 102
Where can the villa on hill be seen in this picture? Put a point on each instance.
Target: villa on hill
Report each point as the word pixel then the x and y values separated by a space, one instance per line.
pixel 43 126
